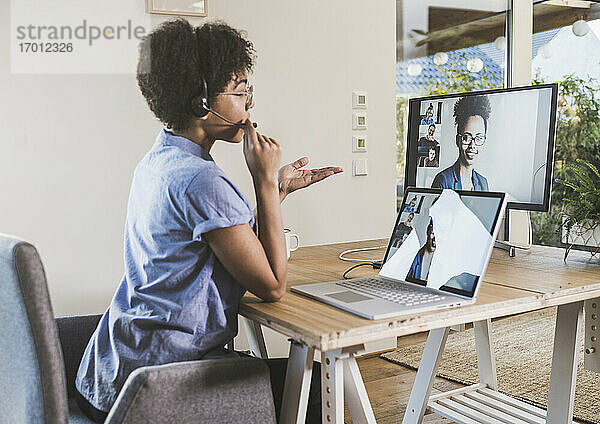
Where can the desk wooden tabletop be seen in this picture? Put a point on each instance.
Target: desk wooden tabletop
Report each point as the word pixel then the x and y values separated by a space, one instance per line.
pixel 534 279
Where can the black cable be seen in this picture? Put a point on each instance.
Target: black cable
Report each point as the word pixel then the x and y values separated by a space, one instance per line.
pixel 344 276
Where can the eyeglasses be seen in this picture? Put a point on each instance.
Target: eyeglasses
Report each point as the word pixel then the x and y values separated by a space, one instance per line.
pixel 467 139
pixel 248 92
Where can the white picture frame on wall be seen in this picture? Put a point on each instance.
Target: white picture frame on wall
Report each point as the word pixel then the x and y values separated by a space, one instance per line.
pixel 178 7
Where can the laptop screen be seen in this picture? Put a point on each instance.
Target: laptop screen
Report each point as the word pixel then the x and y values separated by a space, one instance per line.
pixel 443 239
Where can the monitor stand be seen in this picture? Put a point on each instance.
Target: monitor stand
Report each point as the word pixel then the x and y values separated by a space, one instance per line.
pixel 512 251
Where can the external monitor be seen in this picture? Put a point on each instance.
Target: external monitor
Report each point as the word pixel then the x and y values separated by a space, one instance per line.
pixel 496 140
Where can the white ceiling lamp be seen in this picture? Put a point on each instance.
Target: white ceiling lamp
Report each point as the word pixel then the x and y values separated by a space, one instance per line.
pixel 546 51
pixel 580 28
pixel 500 43
pixel 474 64
pixel 440 58
pixel 414 69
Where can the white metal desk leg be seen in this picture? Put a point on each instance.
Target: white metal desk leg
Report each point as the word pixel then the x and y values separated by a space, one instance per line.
pixel 564 363
pixel 256 340
pixel 417 403
pixel 592 335
pixel 332 387
pixel 297 384
pixel 354 388
pixel 486 358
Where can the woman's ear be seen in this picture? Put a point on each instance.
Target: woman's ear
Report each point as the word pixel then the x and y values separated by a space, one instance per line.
pixel 197 122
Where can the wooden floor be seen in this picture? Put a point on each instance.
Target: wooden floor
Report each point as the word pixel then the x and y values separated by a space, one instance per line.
pixel 389 385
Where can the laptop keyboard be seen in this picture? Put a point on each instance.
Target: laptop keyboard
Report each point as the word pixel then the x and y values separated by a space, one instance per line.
pixel 391 291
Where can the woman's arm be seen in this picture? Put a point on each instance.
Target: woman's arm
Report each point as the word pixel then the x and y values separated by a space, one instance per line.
pixel 257 263
pixel 244 257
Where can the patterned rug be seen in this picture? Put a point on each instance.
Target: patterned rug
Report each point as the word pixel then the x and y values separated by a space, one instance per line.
pixel 523 346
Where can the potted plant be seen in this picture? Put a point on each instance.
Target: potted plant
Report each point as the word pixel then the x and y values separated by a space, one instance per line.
pixel 581 209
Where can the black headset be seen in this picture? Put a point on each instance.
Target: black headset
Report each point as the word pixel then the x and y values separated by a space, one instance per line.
pixel 199 103
pixel 200 106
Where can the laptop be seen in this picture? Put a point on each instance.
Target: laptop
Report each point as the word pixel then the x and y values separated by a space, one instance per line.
pixel 436 257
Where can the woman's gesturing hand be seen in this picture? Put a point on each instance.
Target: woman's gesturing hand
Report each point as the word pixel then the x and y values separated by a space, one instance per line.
pixel 263 155
pixel 292 177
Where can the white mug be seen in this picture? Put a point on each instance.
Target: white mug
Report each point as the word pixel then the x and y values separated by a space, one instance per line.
pixel 288 237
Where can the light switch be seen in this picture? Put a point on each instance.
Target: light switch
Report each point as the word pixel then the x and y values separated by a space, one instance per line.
pixel 359 99
pixel 359 121
pixel 359 167
pixel 359 143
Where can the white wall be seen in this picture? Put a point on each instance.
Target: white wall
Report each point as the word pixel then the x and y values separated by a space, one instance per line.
pixel 71 142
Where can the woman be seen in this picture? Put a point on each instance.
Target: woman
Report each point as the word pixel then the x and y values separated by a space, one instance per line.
pixel 190 248
pixel 419 270
pixel 471 114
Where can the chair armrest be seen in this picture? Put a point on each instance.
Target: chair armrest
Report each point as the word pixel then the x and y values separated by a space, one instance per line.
pixel 74 333
pixel 236 390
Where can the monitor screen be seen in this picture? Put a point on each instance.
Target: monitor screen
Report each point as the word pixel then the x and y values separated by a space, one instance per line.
pixel 497 140
pixel 444 247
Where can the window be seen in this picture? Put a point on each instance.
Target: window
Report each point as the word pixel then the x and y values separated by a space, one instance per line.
pixel 566 49
pixel 445 46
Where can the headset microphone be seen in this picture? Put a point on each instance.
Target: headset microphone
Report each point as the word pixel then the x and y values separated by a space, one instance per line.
pixel 239 124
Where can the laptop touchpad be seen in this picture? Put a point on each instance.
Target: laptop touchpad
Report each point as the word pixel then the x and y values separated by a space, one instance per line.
pixel 348 296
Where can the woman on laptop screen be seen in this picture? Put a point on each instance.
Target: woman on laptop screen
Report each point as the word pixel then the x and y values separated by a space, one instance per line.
pixel 419 269
pixel 471 114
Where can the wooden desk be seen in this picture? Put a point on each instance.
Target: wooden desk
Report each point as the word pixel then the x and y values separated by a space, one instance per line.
pixel 534 279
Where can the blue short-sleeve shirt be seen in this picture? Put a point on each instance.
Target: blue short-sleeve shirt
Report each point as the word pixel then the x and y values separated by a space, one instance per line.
pixel 176 302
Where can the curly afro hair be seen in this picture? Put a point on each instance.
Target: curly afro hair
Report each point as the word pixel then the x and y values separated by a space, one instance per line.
pixel 174 58
pixel 469 106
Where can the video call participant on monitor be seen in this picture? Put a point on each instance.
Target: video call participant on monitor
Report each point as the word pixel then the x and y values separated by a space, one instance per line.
pixel 431 161
pixel 419 270
pixel 471 114
pixel 428 140
pixel 428 118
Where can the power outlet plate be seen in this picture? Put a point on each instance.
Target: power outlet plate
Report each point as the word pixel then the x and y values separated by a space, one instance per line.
pixel 359 121
pixel 359 144
pixel 359 100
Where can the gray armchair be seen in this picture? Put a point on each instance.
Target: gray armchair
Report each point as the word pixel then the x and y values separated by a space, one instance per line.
pixel 39 357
